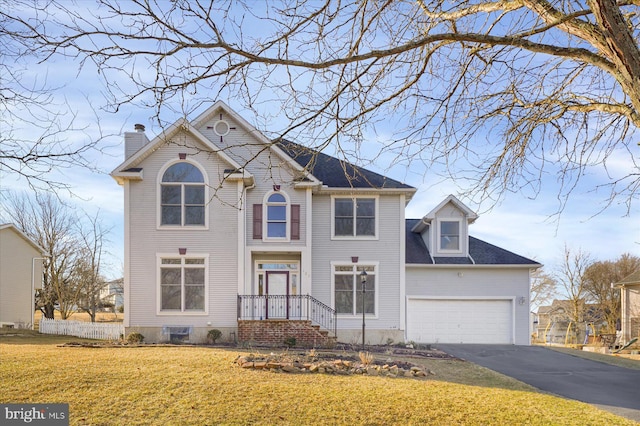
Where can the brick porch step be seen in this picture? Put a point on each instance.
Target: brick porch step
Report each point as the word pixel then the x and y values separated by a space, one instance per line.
pixel 275 332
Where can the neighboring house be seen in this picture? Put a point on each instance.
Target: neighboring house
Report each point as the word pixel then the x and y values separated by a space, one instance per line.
pixel 555 319
pixel 264 240
pixel 20 275
pixel 113 293
pixel 630 309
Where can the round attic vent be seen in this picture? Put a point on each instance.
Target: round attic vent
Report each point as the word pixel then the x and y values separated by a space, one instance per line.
pixel 221 128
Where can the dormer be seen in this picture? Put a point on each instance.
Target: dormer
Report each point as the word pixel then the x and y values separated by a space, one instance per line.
pixel 445 229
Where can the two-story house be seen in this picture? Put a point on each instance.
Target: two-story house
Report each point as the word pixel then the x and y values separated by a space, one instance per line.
pixel 266 240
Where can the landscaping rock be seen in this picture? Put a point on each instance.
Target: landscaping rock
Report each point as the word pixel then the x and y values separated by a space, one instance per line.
pixel 285 363
pixel 290 369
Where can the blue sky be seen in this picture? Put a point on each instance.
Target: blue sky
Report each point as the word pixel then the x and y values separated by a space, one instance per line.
pixel 517 223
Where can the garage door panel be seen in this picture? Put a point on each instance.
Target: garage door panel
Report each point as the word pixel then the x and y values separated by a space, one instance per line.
pixel 460 321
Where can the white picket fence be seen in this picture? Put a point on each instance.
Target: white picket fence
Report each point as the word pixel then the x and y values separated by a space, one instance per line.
pixel 86 330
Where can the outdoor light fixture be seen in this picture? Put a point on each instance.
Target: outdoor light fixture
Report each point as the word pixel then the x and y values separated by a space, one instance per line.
pixel 363 279
pixel 522 300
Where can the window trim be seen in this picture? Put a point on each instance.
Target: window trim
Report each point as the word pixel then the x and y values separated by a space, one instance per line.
pixel 296 272
pixel 439 235
pixel 159 265
pixel 376 273
pixel 161 172
pixel 265 217
pixel 355 237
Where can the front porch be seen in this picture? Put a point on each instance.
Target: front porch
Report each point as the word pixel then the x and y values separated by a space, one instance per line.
pixel 274 320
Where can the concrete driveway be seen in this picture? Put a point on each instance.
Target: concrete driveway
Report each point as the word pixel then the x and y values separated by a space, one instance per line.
pixel 615 389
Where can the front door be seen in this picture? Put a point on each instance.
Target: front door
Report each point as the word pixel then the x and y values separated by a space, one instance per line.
pixel 277 292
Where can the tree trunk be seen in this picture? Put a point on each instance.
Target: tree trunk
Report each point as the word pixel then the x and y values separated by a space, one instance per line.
pixel 622 49
pixel 48 310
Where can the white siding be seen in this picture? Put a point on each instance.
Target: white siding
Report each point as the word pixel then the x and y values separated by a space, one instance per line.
pixel 431 234
pixel 630 295
pixel 145 239
pixel 385 251
pixel 475 282
pixel 267 168
pixel 16 263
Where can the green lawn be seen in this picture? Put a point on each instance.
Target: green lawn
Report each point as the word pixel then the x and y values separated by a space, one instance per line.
pixel 200 386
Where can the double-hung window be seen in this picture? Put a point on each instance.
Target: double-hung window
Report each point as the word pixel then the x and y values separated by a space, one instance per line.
pixel 276 219
pixel 449 235
pixel 347 284
pixel 354 217
pixel 182 196
pixel 276 216
pixel 183 284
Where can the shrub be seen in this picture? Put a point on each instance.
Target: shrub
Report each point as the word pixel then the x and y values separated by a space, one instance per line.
pixel 290 342
pixel 135 337
pixel 121 309
pixel 213 335
pixel 366 358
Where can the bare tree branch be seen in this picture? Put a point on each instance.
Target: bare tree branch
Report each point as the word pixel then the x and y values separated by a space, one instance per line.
pixel 39 133
pixel 598 278
pixel 501 93
pixel 571 277
pixel 51 224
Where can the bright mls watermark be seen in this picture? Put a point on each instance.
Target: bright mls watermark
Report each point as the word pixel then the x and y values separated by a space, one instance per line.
pixel 34 414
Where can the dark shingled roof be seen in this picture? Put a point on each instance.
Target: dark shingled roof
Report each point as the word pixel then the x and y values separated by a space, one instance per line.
pixel 334 172
pixel 480 251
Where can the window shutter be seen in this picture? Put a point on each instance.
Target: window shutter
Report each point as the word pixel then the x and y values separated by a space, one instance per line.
pixel 295 221
pixel 257 221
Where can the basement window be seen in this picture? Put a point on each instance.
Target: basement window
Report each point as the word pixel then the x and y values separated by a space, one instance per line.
pixel 177 334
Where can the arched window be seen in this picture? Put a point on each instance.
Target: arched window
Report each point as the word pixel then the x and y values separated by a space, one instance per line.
pixel 276 219
pixel 276 216
pixel 182 196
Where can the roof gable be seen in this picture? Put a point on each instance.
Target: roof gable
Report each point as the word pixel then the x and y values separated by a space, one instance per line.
pixel 177 127
pixel 220 112
pixel 469 214
pixel 12 227
pixel 129 170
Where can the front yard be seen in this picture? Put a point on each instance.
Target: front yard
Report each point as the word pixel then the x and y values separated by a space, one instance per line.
pixel 203 386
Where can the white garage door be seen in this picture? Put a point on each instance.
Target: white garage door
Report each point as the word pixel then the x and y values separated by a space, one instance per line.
pixel 459 321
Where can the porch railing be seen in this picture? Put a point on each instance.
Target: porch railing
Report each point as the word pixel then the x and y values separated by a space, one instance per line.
pixel 299 307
